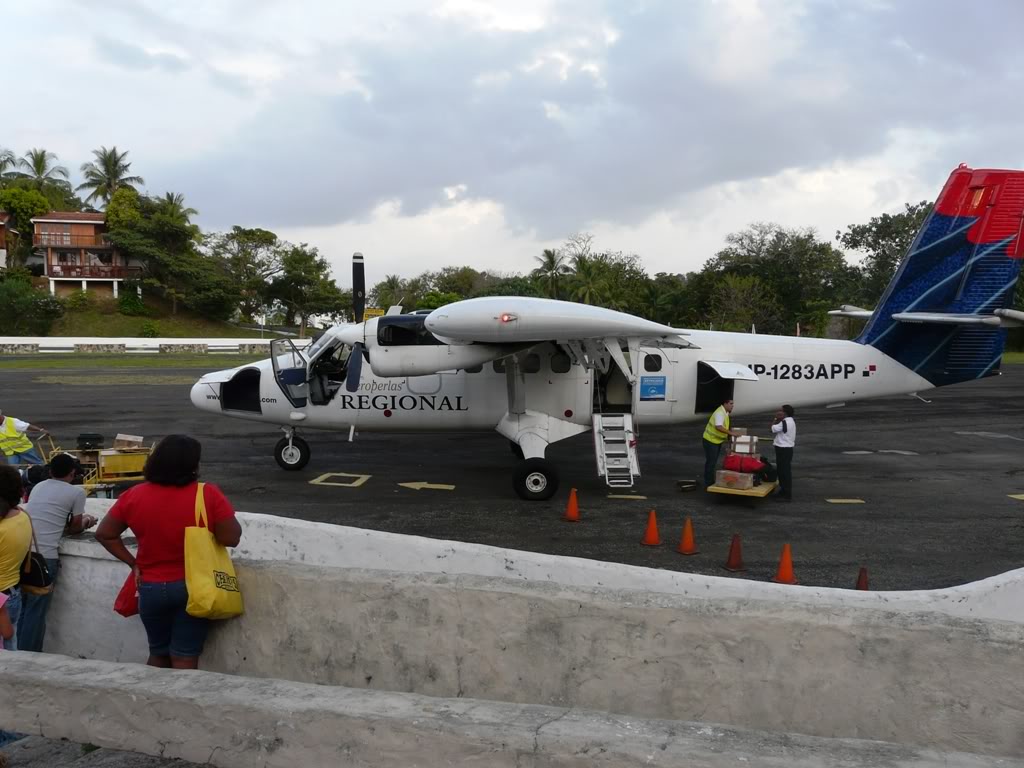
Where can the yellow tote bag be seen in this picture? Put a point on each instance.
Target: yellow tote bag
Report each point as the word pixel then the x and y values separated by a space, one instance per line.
pixel 209 575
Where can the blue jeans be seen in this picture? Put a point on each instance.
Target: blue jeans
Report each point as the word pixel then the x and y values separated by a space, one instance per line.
pixel 13 607
pixel 711 453
pixel 27 457
pixel 32 625
pixel 170 629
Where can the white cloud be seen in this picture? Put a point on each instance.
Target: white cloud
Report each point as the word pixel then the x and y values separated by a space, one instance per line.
pixel 484 131
pixel 466 231
pixel 524 16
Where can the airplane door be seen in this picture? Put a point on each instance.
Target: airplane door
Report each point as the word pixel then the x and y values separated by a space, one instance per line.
pixel 653 393
pixel 289 371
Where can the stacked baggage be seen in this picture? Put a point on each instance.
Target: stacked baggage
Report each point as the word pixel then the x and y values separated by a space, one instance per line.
pixel 743 467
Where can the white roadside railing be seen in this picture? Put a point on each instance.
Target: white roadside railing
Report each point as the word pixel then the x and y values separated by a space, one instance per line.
pixel 27 345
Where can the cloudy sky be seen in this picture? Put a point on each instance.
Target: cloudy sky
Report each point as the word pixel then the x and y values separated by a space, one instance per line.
pixel 479 132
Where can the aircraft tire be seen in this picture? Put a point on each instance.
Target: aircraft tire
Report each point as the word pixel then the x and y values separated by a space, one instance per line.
pixel 295 459
pixel 535 479
pixel 517 450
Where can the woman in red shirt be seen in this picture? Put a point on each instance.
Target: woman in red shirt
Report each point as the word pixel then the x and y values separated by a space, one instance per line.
pixel 158 511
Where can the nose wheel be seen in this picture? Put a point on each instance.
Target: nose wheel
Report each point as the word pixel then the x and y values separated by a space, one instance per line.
pixel 292 453
pixel 535 479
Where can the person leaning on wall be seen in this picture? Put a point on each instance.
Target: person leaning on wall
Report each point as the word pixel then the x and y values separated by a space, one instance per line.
pixel 157 512
pixel 57 507
pixel 15 542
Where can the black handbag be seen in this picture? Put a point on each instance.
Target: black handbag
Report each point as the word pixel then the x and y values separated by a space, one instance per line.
pixel 36 578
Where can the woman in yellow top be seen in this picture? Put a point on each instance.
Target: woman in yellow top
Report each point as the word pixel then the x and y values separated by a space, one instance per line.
pixel 15 541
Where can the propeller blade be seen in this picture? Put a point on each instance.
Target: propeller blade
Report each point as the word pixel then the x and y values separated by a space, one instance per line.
pixel 358 287
pixel 355 367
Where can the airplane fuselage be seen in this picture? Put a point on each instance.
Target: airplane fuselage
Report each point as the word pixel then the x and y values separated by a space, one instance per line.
pixel 800 371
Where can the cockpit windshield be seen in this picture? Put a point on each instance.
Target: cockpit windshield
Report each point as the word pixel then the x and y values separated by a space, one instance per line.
pixel 322 341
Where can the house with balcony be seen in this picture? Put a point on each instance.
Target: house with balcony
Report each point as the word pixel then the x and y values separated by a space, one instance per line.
pixel 77 256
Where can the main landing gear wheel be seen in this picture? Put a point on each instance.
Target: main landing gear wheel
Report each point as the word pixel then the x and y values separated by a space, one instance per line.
pixel 292 457
pixel 535 479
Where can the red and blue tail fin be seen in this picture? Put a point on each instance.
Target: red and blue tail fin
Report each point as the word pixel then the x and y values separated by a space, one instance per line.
pixel 942 314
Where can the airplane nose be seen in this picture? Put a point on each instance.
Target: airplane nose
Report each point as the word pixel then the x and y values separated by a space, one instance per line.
pixel 205 396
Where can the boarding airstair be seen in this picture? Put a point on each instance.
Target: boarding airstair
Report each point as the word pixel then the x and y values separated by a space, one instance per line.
pixel 615 448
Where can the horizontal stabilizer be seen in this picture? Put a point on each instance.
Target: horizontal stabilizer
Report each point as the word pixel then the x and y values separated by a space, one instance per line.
pixel 1001 320
pixel 848 310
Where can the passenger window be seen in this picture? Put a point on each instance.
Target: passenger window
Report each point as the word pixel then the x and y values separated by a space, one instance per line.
pixel 474 369
pixel 499 366
pixel 560 363
pixel 532 363
pixel 652 363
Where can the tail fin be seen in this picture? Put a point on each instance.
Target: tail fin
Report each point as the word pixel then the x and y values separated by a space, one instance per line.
pixel 941 315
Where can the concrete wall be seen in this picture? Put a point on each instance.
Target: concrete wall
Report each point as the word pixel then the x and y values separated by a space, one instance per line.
pixel 238 723
pixel 452 620
pixel 277 538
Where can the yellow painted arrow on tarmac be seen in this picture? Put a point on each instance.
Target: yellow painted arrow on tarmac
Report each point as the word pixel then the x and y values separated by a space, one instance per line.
pixel 428 486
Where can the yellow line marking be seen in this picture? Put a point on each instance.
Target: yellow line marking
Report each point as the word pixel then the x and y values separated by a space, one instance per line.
pixel 1017 496
pixel 419 486
pixel 624 496
pixel 355 483
pixel 845 501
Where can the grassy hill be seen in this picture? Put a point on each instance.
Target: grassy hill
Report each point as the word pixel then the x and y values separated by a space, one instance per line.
pixel 101 318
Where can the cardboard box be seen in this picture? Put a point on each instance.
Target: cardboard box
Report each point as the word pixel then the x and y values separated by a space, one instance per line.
pixel 746 445
pixel 740 481
pixel 128 441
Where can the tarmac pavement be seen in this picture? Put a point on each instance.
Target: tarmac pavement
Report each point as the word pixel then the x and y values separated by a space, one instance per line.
pixel 935 480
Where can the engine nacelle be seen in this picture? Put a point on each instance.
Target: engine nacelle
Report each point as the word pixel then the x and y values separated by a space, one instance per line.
pixel 400 345
pixel 420 361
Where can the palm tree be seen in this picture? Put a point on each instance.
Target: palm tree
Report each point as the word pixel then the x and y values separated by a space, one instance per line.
pixel 588 280
pixel 107 174
pixel 390 291
pixel 7 161
pixel 38 166
pixel 552 267
pixel 173 204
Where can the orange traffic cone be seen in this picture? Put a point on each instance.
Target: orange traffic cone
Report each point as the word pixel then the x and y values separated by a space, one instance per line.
pixel 785 573
pixel 688 546
pixel 572 509
pixel 735 561
pixel 862 579
pixel 651 537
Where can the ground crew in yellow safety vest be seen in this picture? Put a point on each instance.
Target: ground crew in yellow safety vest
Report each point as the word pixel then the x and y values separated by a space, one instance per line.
pixel 14 442
pixel 715 433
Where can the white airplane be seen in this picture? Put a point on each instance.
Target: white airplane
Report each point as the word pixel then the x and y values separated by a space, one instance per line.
pixel 538 371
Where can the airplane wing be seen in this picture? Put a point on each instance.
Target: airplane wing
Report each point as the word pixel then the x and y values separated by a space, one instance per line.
pixel 591 336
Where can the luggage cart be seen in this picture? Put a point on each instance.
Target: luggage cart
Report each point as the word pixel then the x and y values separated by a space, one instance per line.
pixel 761 491
pixel 103 468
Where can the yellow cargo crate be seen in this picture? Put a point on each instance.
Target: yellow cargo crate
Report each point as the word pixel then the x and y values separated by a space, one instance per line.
pixel 121 464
